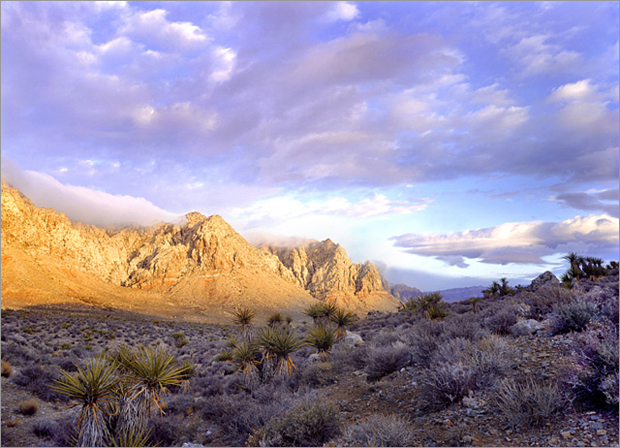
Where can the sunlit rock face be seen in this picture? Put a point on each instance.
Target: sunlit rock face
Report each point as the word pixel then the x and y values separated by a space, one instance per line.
pixel 200 262
pixel 324 269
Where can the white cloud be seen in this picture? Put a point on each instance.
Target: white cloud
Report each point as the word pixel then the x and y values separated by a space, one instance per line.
pixel 83 204
pixel 535 55
pixel 515 242
pixel 342 11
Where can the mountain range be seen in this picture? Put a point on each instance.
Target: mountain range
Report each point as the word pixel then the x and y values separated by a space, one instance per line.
pixel 199 269
pixel 403 292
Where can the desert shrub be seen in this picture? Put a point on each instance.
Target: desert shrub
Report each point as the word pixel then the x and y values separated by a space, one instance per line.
pixel 385 360
pixel 463 326
pixel 44 428
pixel 319 374
pixel 491 359
pixel 423 340
pixel 542 301
pixel 239 415
pixel 571 316
pixel 180 404
pixel 6 369
pixel 528 403
pixel 29 407
pixel 162 431
pixel 502 319
pixel 379 430
pixel 453 350
pixel 179 339
pixel 16 354
pixel 446 383
pixel 312 422
pixel 37 380
pixel 592 379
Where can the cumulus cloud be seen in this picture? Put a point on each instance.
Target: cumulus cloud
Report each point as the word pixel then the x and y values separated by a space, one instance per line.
pixel 83 204
pixel 515 242
pixel 342 11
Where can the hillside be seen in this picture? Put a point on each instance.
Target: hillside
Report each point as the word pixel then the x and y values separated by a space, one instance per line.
pixel 200 269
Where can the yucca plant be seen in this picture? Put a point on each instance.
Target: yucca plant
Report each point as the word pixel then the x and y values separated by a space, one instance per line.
pixel 94 386
pixel 132 437
pixel 321 312
pixel 322 339
pixel 152 371
pixel 342 319
pixel 244 317
pixel 277 345
pixel 247 356
pixel 275 319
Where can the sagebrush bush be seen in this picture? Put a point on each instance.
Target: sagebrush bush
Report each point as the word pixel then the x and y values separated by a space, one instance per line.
pixel 319 374
pixel 528 403
pixel 446 383
pixel 592 378
pixel 44 428
pixel 541 302
pixel 491 359
pixel 312 422
pixel 453 350
pixel 571 316
pixel 423 340
pixel 463 326
pixel 37 380
pixel 502 319
pixel 385 360
pixel 379 430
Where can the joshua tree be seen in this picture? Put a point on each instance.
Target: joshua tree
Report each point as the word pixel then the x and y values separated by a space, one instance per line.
pixel 492 290
pixel 575 260
pixel 322 339
pixel 504 289
pixel 243 317
pixel 94 386
pixel 342 319
pixel 277 345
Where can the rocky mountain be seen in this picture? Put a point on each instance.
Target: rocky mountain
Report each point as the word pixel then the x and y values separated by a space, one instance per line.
pixel 403 292
pixel 201 267
pixel 324 269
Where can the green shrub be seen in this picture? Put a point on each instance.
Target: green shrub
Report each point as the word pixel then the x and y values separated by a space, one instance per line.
pixel 572 316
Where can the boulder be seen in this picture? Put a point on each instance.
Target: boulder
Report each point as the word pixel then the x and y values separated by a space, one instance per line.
pixel 524 327
pixel 546 278
pixel 352 339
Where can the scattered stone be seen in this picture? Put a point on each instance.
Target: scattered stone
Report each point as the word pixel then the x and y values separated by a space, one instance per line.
pixel 525 327
pixel 601 432
pixel 352 339
pixel 566 435
pixel 596 425
pixel 554 440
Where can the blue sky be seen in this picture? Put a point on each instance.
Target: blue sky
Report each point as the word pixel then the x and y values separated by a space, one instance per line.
pixel 451 143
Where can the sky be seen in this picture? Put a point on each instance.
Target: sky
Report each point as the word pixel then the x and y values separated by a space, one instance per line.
pixel 450 143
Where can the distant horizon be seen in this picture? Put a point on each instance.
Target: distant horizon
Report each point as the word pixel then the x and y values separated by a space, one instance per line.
pixel 452 144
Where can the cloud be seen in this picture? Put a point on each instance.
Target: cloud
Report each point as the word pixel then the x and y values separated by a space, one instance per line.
pixel 83 204
pixel 592 201
pixel 515 242
pixel 342 11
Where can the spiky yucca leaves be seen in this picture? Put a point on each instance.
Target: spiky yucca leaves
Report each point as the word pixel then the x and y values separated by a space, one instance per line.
pixel 247 357
pixel 244 317
pixel 431 306
pixel 132 437
pixel 321 312
pixel 275 319
pixel 152 371
pixel 277 345
pixel 473 301
pixel 322 339
pixel 94 386
pixel 342 319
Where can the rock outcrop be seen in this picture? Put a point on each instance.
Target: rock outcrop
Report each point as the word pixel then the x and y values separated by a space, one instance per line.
pixel 324 269
pixel 201 264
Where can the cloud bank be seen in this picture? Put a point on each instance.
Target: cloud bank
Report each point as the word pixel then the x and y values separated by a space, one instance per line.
pixel 516 242
pixel 84 204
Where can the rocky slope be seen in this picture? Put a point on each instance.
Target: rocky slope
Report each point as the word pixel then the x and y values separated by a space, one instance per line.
pixel 324 269
pixel 202 266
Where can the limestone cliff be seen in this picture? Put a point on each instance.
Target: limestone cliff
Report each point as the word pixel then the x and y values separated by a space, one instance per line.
pixel 324 269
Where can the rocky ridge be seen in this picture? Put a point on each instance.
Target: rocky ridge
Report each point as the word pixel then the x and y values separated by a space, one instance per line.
pixel 201 262
pixel 324 269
